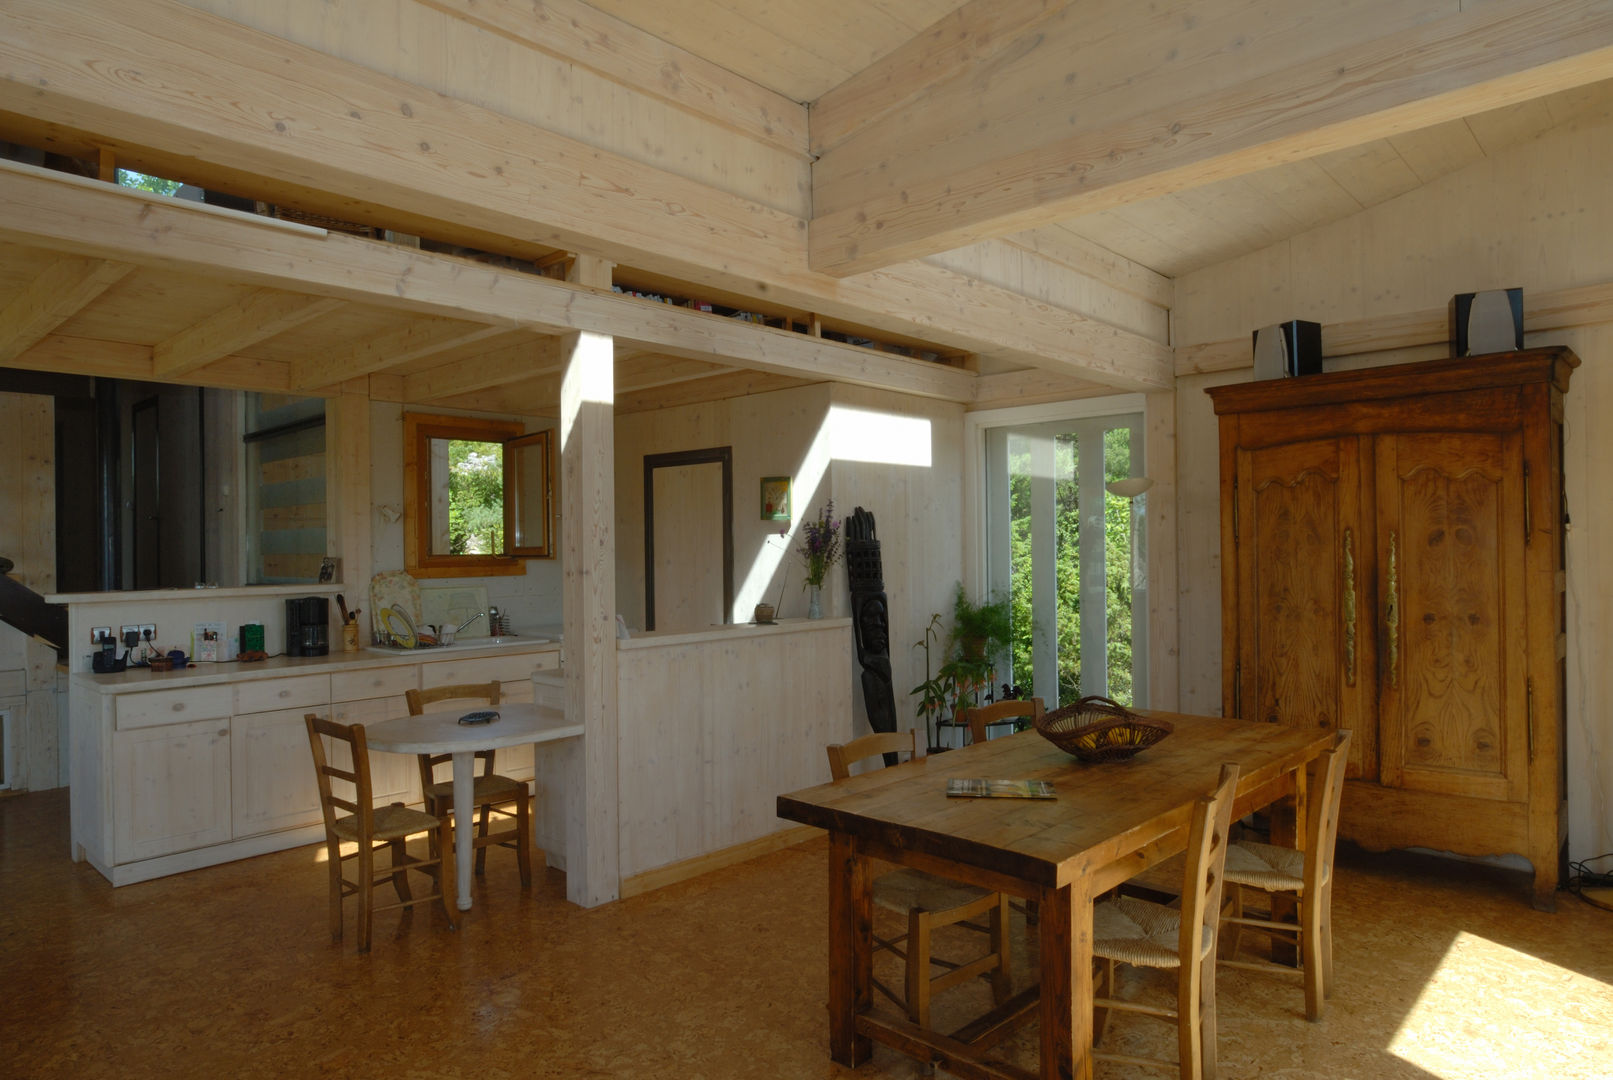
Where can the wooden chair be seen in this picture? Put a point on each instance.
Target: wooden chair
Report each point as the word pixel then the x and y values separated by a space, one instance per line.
pixel 503 796
pixel 1012 709
pixel 1127 929
pixel 370 828
pixel 1307 875
pixel 929 903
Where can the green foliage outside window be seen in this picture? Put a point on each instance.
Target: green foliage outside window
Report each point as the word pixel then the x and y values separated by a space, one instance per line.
pixel 1117 567
pixel 154 184
pixel 475 497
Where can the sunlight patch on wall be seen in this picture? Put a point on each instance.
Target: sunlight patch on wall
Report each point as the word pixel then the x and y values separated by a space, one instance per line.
pixel 589 379
pixel 879 437
pixel 1453 1022
pixel 758 583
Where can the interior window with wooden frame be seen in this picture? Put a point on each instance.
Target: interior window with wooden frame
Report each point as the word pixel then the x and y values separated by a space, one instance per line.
pixel 478 495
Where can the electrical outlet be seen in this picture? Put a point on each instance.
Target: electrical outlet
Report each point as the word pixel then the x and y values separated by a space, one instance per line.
pixel 129 634
pixel 99 632
pixel 148 632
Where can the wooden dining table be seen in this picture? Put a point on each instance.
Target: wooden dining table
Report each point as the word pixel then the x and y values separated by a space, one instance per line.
pixel 442 733
pixel 1107 822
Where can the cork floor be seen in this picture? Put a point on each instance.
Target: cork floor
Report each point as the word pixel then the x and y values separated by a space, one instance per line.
pixel 1444 970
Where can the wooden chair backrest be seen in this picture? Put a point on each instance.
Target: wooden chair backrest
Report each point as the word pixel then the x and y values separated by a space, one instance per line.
pixel 1322 811
pixel 842 756
pixel 419 699
pixel 978 717
pixel 477 692
pixel 362 803
pixel 1207 841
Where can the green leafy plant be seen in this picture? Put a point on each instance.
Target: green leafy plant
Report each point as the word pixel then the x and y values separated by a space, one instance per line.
pixel 960 681
pixel 981 629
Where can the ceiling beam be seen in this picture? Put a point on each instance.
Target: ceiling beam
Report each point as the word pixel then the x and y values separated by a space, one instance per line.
pixel 55 295
pixel 200 91
pixel 645 372
pixel 511 363
pixel 621 52
pixel 414 340
pixel 1063 120
pixel 122 360
pixel 258 316
pixel 86 217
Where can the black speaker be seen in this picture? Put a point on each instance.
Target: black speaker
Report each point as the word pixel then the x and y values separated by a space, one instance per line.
pixel 1289 348
pixel 1487 322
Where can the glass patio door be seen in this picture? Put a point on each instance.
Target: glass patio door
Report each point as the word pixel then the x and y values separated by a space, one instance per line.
pixel 1071 556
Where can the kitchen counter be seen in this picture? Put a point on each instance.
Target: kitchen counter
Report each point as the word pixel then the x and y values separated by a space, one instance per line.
pixel 133 680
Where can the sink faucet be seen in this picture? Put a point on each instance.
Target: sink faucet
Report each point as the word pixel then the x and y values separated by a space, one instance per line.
pixel 473 618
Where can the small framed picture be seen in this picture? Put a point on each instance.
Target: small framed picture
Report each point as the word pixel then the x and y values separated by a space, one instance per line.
pixel 775 498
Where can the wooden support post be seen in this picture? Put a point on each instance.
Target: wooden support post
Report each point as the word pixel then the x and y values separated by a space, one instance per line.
pixel 588 560
pixel 590 270
pixel 347 486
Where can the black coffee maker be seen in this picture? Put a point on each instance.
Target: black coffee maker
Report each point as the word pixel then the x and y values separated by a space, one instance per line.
pixel 308 626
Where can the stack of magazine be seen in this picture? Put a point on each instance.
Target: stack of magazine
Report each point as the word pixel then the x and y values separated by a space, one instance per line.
pixel 999 789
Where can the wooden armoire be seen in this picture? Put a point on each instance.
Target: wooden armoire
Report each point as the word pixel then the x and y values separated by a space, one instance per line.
pixel 1392 563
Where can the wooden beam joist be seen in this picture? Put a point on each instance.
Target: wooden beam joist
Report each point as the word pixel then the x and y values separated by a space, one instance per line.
pixel 258 316
pixel 55 295
pixel 166 77
pixel 85 217
pixel 122 360
pixel 513 363
pixel 594 39
pixel 879 201
pixel 414 340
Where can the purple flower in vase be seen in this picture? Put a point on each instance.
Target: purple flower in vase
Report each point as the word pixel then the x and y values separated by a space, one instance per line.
pixel 820 544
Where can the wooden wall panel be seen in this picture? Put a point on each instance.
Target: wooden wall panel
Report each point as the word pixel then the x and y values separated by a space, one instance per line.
pixel 28 538
pixel 1536 216
pixel 714 730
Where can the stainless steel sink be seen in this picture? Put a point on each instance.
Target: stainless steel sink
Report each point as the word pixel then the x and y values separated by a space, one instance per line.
pixel 463 644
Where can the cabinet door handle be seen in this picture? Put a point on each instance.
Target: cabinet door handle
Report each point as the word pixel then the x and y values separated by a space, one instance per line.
pixel 1349 608
pixel 1391 616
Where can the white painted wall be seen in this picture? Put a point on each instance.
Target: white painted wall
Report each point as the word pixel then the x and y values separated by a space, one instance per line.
pixel 1539 216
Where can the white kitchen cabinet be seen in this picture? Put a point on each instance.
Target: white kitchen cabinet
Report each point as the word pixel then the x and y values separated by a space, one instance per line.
pixel 272 774
pixel 170 788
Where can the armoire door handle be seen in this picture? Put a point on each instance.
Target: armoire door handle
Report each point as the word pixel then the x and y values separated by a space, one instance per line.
pixel 1349 608
pixel 1391 616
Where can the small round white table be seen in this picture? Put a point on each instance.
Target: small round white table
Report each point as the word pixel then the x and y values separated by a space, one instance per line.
pixel 442 733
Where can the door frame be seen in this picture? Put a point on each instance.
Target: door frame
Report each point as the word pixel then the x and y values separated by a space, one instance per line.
pixel 714 455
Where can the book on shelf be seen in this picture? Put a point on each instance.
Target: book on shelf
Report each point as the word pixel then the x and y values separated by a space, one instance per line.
pixel 999 789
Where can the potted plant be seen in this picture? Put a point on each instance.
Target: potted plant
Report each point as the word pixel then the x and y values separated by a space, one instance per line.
pixel 981 630
pixel 961 680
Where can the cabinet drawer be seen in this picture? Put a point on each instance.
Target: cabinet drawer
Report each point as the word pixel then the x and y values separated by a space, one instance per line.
pixel 172 706
pixel 378 682
pixel 297 692
pixel 482 669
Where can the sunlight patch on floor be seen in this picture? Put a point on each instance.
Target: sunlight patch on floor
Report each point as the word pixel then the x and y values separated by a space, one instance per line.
pixel 1523 1015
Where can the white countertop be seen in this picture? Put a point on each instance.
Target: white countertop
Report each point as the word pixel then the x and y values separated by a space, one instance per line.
pixel 134 680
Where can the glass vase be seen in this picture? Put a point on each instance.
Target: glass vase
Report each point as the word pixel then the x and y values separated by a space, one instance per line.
pixel 814 601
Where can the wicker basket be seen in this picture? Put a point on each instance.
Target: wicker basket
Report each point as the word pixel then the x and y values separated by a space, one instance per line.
pixel 1097 729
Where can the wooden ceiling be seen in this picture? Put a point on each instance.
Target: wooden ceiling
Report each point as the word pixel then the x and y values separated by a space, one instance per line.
pixel 806 48
pixel 1084 154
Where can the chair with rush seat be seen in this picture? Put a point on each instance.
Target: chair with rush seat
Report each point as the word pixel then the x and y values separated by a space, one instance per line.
pixel 1306 875
pixel 1012 709
pixel 369 828
pixel 1127 929
pixel 494 795
pixel 928 903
